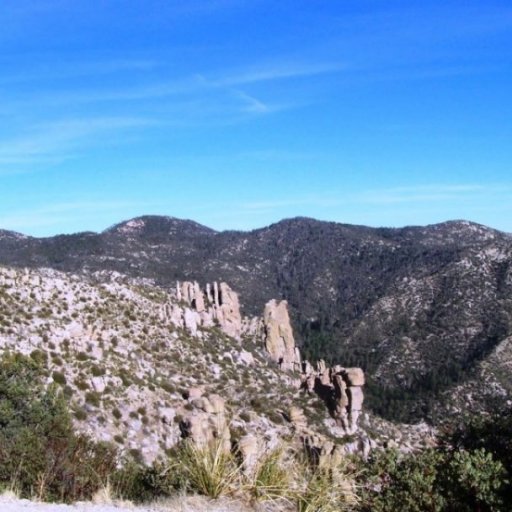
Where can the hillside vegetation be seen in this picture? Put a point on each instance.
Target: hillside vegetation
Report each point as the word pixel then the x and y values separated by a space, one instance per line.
pixel 420 309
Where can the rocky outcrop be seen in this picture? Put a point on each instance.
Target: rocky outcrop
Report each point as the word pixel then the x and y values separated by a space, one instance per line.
pixel 329 455
pixel 297 418
pixel 216 304
pixel 341 390
pixel 206 421
pixel 122 342
pixel 278 335
pixel 250 450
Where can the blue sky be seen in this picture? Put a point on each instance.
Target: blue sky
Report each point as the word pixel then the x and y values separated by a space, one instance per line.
pixel 240 113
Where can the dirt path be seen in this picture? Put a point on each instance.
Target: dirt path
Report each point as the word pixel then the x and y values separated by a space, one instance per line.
pixel 185 504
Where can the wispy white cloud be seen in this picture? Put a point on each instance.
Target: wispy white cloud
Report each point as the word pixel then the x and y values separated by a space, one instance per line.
pixel 278 71
pixel 198 85
pixel 252 104
pixel 153 91
pixel 58 140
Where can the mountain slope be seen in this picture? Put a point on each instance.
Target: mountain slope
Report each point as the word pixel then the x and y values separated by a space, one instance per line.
pixel 135 364
pixel 419 308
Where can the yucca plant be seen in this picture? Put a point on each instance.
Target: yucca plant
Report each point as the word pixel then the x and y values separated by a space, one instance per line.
pixel 325 488
pixel 272 477
pixel 323 494
pixel 209 470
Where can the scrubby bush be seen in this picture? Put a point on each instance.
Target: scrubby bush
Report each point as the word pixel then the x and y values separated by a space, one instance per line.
pixel 437 480
pixel 93 398
pixel 407 483
pixel 59 378
pixel 474 480
pixel 40 454
pixel 140 483
pixel 492 433
pixel 284 475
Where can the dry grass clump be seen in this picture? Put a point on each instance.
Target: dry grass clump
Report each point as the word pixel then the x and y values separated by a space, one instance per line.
pixel 208 470
pixel 324 490
pixel 282 477
pixel 272 478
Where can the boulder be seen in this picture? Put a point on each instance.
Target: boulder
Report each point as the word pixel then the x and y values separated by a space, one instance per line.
pixel 249 449
pixel 354 376
pixel 356 397
pixel 190 320
pixel 207 422
pixel 194 393
pixel 297 418
pixel 246 358
pixel 346 397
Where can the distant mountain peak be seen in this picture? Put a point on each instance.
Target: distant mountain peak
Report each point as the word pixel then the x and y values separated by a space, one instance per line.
pixel 13 235
pixel 158 224
pixel 132 226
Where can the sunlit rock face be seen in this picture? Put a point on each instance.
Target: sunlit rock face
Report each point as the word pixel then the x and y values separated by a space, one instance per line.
pixel 278 332
pixel 215 304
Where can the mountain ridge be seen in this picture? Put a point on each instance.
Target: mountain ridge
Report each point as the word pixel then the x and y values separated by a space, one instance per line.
pixel 418 307
pixel 172 219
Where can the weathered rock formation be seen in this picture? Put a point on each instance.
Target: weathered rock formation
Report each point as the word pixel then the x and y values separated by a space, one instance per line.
pixel 329 455
pixel 297 418
pixel 123 340
pixel 251 449
pixel 216 304
pixel 206 421
pixel 278 335
pixel 340 388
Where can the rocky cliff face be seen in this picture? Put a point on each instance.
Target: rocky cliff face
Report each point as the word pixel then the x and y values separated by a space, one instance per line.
pixel 278 335
pixel 216 304
pixel 341 390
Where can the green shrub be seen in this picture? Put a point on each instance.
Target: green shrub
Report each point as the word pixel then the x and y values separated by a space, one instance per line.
pixel 39 356
pixel 82 356
pixel 140 483
pixel 406 483
pixel 97 371
pixel 93 398
pixel 435 480
pixel 80 414
pixel 474 481
pixel 326 491
pixel 81 384
pixel 59 378
pixel 168 386
pixel 39 452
